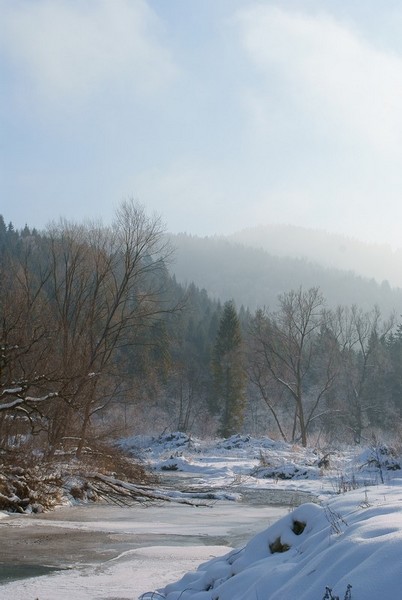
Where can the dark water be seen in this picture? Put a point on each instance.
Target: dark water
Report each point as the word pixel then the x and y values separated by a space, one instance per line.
pixel 64 547
pixel 15 572
pixel 249 496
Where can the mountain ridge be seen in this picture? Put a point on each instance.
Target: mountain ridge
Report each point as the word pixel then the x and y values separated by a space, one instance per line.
pixel 332 250
pixel 252 277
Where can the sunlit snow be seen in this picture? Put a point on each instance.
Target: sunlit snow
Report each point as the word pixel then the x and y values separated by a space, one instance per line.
pixel 347 543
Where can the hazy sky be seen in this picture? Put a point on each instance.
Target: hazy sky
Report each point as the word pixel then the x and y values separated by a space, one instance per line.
pixel 216 114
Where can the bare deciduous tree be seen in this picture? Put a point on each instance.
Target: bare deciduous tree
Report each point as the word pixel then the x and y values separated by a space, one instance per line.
pixel 360 333
pixel 26 378
pixel 107 288
pixel 87 294
pixel 286 354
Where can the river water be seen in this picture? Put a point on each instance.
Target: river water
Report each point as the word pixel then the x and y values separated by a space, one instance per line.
pixel 90 535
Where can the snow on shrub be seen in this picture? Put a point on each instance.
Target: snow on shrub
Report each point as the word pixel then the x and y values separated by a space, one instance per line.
pixel 287 471
pixel 173 463
pixel 380 456
pixel 246 442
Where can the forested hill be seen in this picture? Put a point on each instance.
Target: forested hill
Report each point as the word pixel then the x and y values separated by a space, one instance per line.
pixel 379 261
pixel 254 278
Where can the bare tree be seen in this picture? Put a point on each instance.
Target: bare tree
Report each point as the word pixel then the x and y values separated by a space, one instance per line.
pixel 70 310
pixel 360 335
pixel 27 381
pixel 106 284
pixel 287 356
pixel 259 374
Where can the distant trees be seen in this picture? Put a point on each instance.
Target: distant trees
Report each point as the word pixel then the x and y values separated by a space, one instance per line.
pixel 190 381
pixel 93 328
pixel 392 374
pixel 228 370
pixel 330 364
pixel 364 360
pixel 255 277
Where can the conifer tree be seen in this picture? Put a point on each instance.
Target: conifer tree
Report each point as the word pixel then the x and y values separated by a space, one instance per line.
pixel 229 375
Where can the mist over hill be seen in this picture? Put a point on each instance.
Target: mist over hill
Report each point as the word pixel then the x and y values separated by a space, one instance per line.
pixel 327 249
pixel 252 277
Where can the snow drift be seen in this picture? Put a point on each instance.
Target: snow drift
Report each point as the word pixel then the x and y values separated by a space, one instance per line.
pixel 351 547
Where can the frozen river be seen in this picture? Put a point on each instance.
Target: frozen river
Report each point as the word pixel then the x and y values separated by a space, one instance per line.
pixel 111 552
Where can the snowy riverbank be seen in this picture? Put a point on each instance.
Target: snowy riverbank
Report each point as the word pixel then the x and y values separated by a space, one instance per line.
pixel 350 548
pixel 121 552
pixel 353 538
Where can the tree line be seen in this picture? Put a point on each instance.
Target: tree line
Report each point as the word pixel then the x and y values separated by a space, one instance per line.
pixel 251 275
pixel 98 339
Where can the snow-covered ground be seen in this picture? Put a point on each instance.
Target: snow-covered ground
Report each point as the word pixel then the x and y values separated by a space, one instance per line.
pixel 347 544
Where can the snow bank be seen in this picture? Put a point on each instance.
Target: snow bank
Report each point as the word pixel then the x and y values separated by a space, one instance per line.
pixel 353 540
pixel 260 462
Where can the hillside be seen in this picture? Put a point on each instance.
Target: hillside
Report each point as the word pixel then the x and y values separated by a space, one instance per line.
pixel 253 277
pixel 328 249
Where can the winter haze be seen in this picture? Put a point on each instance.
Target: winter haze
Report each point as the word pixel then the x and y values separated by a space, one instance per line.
pixel 218 115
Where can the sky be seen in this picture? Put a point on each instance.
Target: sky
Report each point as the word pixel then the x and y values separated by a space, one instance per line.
pixel 215 114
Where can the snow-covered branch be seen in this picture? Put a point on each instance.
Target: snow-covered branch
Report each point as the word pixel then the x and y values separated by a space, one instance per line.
pixel 19 399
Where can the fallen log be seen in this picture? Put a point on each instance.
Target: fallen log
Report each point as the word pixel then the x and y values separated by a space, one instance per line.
pixel 141 493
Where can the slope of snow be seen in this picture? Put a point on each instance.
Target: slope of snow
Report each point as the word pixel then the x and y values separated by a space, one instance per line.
pixel 263 463
pixel 347 545
pixel 352 545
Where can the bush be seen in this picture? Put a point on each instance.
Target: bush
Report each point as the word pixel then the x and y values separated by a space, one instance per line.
pixel 329 596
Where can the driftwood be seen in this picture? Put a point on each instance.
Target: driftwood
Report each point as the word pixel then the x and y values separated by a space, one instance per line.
pixel 36 490
pixel 28 489
pixel 116 490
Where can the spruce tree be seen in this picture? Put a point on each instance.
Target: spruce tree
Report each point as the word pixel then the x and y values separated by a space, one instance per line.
pixel 229 375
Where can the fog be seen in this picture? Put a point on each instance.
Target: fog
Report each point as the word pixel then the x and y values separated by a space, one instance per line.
pixel 216 115
pixel 378 261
